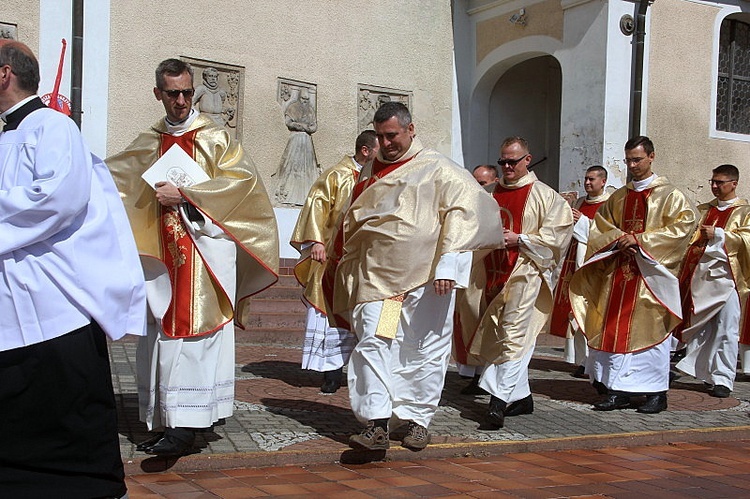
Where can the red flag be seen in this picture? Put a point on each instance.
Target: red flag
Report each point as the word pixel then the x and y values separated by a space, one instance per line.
pixel 53 100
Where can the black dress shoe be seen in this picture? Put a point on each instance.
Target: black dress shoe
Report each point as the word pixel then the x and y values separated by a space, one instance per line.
pixel 496 413
pixel 519 407
pixel 720 391
pixel 600 388
pixel 580 372
pixel 473 387
pixel 655 403
pixel 613 402
pixel 332 380
pixel 175 442
pixel 150 442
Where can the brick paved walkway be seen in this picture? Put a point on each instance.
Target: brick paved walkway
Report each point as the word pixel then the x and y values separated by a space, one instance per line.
pixel 282 418
pixel 667 471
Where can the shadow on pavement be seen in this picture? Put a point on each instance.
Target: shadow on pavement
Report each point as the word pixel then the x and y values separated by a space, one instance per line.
pixel 287 372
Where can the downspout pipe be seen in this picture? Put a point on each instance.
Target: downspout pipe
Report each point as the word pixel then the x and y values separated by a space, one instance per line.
pixel 639 44
pixel 76 63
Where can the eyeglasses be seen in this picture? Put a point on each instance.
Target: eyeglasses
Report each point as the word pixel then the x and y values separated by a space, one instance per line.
pixel 719 183
pixel 633 161
pixel 175 94
pixel 511 162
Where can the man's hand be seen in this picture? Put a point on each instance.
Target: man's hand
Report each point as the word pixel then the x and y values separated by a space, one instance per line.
pixel 576 215
pixel 318 252
pixel 628 244
pixel 511 238
pixel 443 286
pixel 707 232
pixel 167 194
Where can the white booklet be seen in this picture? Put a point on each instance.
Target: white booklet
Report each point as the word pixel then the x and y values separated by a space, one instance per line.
pixel 176 167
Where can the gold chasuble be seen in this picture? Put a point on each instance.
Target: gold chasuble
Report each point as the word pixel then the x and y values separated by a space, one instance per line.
pixel 520 280
pixel 559 323
pixel 328 199
pixel 401 220
pixel 234 199
pixel 614 307
pixel 735 221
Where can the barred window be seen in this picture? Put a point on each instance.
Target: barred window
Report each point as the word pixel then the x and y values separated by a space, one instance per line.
pixel 733 91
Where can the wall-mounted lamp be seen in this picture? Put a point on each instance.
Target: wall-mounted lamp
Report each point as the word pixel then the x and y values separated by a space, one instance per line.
pixel 519 18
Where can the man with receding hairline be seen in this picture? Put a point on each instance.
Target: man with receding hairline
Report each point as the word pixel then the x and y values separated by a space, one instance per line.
pixel 715 285
pixel 69 277
pixel 486 175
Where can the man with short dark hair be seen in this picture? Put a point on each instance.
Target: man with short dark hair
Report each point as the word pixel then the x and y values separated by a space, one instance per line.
pixel 520 281
pixel 69 274
pixel 626 295
pixel 715 285
pixel 205 248
pixel 407 239
pixel 562 323
pixel 486 175
pixel 326 348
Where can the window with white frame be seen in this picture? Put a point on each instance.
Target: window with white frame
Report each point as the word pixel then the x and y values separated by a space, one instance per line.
pixel 733 90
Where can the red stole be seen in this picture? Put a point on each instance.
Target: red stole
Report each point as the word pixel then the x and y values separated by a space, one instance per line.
pixel 626 280
pixel 561 312
pixel 500 263
pixel 379 170
pixel 180 256
pixel 694 254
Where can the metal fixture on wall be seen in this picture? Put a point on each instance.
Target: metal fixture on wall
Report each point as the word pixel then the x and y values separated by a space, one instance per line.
pixel 519 18
pixel 627 25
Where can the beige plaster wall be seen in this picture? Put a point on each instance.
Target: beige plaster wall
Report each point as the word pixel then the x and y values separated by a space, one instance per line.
pixel 390 43
pixel 24 14
pixel 545 18
pixel 681 73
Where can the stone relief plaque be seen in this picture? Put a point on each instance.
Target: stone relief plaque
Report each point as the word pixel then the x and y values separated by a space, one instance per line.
pixel 8 31
pixel 370 98
pixel 299 167
pixel 219 91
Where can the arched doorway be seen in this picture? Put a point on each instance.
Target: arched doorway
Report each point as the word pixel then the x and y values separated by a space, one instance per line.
pixel 525 101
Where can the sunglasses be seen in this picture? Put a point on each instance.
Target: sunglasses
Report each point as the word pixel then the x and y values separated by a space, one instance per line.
pixel 174 94
pixel 511 162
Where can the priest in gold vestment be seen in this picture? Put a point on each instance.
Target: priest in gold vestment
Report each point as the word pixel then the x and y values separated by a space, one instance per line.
pixel 626 296
pixel 407 241
pixel 714 286
pixel 205 248
pixel 326 348
pixel 520 280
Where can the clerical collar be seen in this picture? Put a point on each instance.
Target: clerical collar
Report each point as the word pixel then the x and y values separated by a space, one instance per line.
pixel 178 129
pixel 726 204
pixel 357 166
pixel 18 105
pixel 642 185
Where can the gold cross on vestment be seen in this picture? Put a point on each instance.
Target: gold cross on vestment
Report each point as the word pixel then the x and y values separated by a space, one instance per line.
pixel 634 224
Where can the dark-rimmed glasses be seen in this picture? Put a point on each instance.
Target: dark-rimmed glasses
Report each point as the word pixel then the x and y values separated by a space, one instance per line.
pixel 175 94
pixel 511 162
pixel 718 183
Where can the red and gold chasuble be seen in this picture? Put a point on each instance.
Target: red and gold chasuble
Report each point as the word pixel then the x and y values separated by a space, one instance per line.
pixel 561 312
pixel 500 263
pixel 181 258
pixel 694 254
pixel 626 281
pixel 379 170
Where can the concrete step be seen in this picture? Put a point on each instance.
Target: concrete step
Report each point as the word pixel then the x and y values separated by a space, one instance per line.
pixel 291 306
pixel 273 321
pixel 288 337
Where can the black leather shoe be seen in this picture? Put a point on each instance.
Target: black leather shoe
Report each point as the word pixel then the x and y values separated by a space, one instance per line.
pixel 496 413
pixel 613 402
pixel 720 391
pixel 519 407
pixel 600 388
pixel 173 443
pixel 331 380
pixel 580 372
pixel 654 404
pixel 150 442
pixel 473 388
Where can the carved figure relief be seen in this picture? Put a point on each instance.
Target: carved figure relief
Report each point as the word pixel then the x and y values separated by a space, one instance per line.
pixel 218 93
pixel 370 98
pixel 8 31
pixel 299 166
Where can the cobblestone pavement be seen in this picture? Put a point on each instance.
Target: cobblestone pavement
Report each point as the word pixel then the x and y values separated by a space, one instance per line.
pixel 280 414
